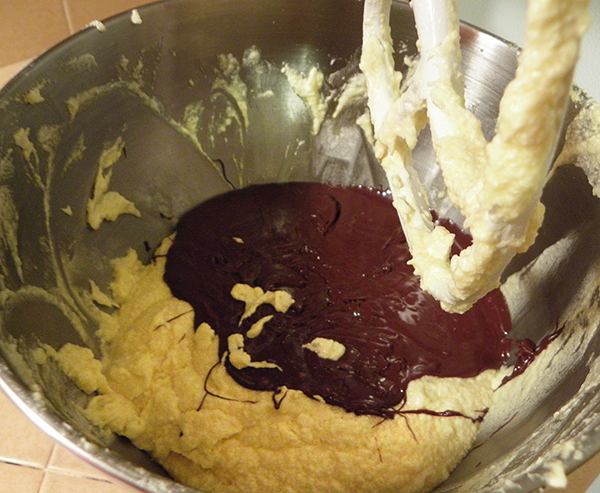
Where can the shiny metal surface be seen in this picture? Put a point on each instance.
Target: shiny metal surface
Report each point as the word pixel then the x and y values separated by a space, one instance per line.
pixel 150 84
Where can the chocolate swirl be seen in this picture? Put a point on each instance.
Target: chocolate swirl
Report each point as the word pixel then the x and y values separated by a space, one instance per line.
pixel 341 253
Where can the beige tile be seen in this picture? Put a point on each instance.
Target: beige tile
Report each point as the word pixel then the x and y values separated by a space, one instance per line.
pixel 54 482
pixel 20 440
pixel 27 28
pixel 82 12
pixel 19 479
pixel 64 461
pixel 6 73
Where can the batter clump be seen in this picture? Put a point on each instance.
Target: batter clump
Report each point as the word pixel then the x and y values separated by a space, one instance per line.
pixel 277 356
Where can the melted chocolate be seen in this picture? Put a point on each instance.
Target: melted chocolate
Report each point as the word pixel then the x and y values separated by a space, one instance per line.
pixel 527 351
pixel 341 253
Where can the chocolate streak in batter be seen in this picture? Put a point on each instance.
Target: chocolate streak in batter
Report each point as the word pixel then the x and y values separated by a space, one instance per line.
pixel 341 253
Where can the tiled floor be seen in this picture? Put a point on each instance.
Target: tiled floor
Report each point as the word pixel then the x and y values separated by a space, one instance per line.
pixel 30 462
pixel 28 27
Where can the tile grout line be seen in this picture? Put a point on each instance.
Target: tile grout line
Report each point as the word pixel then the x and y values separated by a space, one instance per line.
pixel 49 469
pixel 74 474
pixel 21 463
pixel 52 451
pixel 68 17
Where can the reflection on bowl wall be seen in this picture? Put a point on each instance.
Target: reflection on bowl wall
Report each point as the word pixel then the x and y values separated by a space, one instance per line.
pixel 191 103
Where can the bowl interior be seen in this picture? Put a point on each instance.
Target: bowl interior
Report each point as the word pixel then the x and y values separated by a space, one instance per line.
pixel 195 101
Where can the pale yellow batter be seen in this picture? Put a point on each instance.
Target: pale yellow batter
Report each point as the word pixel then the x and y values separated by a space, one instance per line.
pixel 160 383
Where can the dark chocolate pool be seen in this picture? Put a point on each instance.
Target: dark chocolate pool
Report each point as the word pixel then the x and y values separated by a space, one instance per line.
pixel 341 254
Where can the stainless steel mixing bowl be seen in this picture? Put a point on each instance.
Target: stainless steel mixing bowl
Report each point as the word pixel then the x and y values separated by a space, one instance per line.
pixel 189 133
